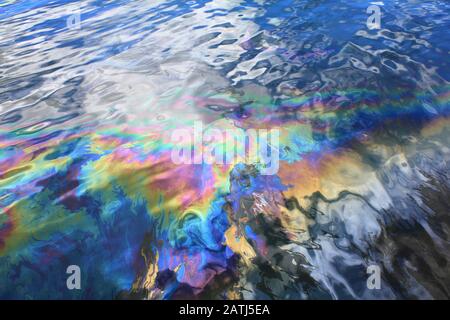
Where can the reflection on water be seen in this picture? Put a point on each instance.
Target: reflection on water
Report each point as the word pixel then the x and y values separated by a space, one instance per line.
pixel 86 178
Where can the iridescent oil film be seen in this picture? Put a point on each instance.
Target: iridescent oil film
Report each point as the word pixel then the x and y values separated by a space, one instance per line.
pixel 224 149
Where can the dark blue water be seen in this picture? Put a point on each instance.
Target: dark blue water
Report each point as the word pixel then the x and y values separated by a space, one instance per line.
pixel 363 181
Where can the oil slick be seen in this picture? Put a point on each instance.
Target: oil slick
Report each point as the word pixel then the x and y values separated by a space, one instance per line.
pixel 230 146
pixel 86 168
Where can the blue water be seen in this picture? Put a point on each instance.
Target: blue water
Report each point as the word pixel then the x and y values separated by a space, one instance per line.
pixel 69 67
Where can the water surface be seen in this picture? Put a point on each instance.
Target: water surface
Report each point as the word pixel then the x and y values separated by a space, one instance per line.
pixel 86 177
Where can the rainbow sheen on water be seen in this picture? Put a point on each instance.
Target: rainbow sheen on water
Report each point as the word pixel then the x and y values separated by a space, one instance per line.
pixel 87 179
